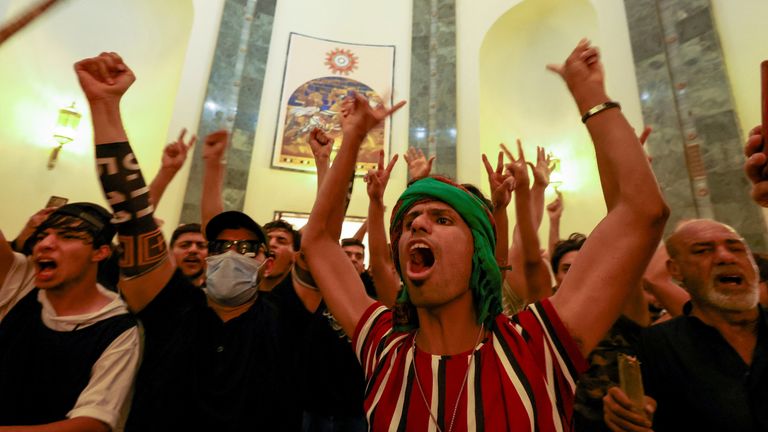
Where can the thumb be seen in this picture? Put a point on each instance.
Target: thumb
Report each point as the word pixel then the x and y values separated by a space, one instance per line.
pixel 556 68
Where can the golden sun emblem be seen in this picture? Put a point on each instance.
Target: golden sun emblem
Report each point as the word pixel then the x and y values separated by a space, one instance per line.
pixel 341 61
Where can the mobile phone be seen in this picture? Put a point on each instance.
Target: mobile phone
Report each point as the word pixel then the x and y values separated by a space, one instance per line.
pixel 631 381
pixel 56 201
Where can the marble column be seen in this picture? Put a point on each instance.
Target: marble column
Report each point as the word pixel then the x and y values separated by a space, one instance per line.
pixel 686 97
pixel 232 98
pixel 433 83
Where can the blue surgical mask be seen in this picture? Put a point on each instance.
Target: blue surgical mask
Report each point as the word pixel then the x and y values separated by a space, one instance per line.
pixel 232 278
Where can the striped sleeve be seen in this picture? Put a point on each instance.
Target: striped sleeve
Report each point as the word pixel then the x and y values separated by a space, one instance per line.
pixel 551 344
pixel 370 333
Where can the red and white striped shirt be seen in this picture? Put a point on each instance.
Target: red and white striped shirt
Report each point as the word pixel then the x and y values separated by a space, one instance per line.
pixel 522 377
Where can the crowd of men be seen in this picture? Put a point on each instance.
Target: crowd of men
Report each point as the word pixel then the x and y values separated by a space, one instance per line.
pixel 233 325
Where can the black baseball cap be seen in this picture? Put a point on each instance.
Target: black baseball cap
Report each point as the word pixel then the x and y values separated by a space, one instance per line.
pixel 233 220
pixel 91 218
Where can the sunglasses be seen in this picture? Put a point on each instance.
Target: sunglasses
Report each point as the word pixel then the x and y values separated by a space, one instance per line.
pixel 243 247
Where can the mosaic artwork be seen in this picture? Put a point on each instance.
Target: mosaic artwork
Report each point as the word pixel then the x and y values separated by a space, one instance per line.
pixel 337 69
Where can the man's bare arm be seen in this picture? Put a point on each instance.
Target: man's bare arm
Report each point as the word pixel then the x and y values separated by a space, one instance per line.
pixel 536 273
pixel 334 274
pixel 214 167
pixel 144 265
pixel 615 255
pixel 77 424
pixel 174 155
pixel 555 211
pixel 382 269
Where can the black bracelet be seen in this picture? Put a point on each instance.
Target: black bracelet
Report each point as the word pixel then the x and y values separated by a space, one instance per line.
pixel 597 109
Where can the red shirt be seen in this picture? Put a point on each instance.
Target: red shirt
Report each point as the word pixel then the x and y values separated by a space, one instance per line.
pixel 522 376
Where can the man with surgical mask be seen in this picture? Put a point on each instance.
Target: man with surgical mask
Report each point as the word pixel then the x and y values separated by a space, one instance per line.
pixel 219 359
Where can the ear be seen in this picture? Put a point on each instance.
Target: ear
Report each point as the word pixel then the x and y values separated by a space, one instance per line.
pixel 269 263
pixel 674 270
pixel 101 253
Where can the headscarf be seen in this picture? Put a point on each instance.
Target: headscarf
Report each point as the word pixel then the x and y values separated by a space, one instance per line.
pixel 485 281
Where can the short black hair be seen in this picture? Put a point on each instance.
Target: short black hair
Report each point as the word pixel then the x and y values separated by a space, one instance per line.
pixel 287 226
pixel 184 229
pixel 574 242
pixel 352 242
pixel 478 193
pixel 89 218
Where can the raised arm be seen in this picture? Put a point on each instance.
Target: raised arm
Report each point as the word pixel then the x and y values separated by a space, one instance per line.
pixel 214 167
pixel 541 174
pixel 756 166
pixel 334 274
pixel 537 278
pixel 502 183
pixel 321 145
pixel 555 212
pixel 418 164
pixel 615 255
pixel 6 258
pixel 658 282
pixel 29 228
pixel 382 269
pixel 174 155
pixel 145 266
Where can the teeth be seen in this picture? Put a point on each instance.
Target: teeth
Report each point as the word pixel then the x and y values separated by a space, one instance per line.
pixel 418 246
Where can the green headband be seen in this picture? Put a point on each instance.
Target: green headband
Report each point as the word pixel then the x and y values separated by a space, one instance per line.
pixel 485 281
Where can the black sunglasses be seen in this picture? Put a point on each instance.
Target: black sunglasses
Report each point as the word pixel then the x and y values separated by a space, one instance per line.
pixel 243 247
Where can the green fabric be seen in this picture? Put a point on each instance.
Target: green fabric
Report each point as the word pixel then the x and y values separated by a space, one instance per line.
pixel 485 281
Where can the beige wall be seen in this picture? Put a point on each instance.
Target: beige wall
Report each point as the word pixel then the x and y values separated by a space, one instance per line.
pixel 368 22
pixel 36 79
pixel 505 92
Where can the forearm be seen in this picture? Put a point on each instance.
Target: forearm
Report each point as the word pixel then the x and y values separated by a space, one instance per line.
pixel 77 424
pixel 382 269
pixel 334 274
pixel 360 233
pixel 502 236
pixel 671 296
pixel 144 262
pixel 537 203
pixel 159 184
pixel 213 183
pixel 107 123
pixel 554 235
pixel 6 257
pixel 322 164
pixel 618 150
pixel 528 236
pixel 333 189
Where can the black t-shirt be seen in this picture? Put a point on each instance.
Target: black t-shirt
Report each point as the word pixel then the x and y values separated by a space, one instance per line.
pixel 199 373
pixel 700 382
pixel 43 371
pixel 332 378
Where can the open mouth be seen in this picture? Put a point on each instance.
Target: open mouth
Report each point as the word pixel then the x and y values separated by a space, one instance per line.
pixel 421 259
pixel 45 268
pixel 729 279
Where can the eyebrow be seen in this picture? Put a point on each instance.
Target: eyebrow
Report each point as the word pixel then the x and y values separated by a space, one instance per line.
pixel 432 212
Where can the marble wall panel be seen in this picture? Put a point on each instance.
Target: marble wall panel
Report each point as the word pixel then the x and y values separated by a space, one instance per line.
pixel 685 96
pixel 433 82
pixel 233 98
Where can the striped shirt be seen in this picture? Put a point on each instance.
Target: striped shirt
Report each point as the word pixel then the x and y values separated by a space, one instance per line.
pixel 522 377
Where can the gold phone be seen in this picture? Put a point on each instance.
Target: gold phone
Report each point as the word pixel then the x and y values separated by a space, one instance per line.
pixel 631 381
pixel 56 201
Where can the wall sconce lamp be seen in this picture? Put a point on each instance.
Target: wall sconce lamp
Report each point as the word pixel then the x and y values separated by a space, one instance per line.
pixel 65 131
